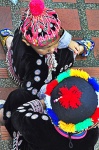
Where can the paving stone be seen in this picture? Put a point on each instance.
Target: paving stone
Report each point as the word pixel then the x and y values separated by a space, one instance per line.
pixel 4 133
pixel 5 17
pixel 68 1
pixel 92 71
pixel 79 57
pixel 91 1
pixel 96 49
pixel 3 73
pixel 26 0
pixel 79 17
pixel 93 19
pixel 2 54
pixel 4 92
pixel 67 16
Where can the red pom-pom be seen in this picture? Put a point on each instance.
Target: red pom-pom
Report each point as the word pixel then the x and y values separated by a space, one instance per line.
pixel 51 86
pixel 36 7
pixel 70 97
pixel 95 116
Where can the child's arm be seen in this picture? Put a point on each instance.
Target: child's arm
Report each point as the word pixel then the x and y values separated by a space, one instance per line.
pixel 74 46
pixel 66 41
pixel 27 119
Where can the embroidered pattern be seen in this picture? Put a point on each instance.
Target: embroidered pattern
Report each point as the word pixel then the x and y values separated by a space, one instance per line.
pixel 17 140
pixel 52 64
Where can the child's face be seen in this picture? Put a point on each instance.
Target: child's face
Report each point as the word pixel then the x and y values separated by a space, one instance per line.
pixel 50 48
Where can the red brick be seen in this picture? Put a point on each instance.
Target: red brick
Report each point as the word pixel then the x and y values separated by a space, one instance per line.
pixel 2 54
pixel 4 133
pixel 92 71
pixel 4 92
pixel 79 57
pixel 91 1
pixel 3 73
pixel 5 17
pixel 93 19
pixel 68 1
pixel 26 0
pixel 69 18
pixel 96 49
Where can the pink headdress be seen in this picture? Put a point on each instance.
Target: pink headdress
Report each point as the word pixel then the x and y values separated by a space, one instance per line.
pixel 40 25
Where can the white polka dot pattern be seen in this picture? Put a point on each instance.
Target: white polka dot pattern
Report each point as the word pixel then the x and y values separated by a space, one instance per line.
pixel 29 89
pixel 37 72
pixel 22 110
pixel 26 104
pixel 34 91
pixel 39 62
pixel 66 66
pixel 28 114
pixel 70 64
pixel 28 84
pixel 61 69
pixel 37 78
pixel 20 107
pixel 8 114
pixel 44 117
pixel 35 116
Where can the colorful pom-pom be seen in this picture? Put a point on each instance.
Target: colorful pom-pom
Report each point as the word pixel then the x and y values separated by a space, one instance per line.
pixel 84 125
pixel 36 7
pixel 51 86
pixel 53 116
pixel 95 116
pixel 94 83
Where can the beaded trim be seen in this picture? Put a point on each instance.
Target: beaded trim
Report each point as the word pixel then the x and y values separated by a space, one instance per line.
pixel 81 126
pixel 10 68
pixel 36 106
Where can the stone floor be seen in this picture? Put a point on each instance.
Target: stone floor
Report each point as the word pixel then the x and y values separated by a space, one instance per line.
pixel 79 17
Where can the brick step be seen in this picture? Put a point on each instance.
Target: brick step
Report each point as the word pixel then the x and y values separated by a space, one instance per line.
pixel 4 135
pixel 3 73
pixel 4 92
pixel 93 71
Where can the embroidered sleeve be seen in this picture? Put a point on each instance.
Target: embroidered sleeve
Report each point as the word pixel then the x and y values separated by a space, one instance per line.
pixel 29 119
pixel 26 110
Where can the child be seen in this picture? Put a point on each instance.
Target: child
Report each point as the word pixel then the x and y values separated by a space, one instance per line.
pixel 40 48
pixel 38 51
pixel 66 118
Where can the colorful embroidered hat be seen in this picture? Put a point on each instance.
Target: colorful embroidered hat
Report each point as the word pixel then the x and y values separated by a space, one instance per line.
pixel 40 25
pixel 72 101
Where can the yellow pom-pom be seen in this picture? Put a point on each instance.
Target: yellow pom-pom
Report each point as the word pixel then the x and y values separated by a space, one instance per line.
pixel 79 73
pixel 67 127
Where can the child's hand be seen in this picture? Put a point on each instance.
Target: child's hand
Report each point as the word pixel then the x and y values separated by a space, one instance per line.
pixel 75 47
